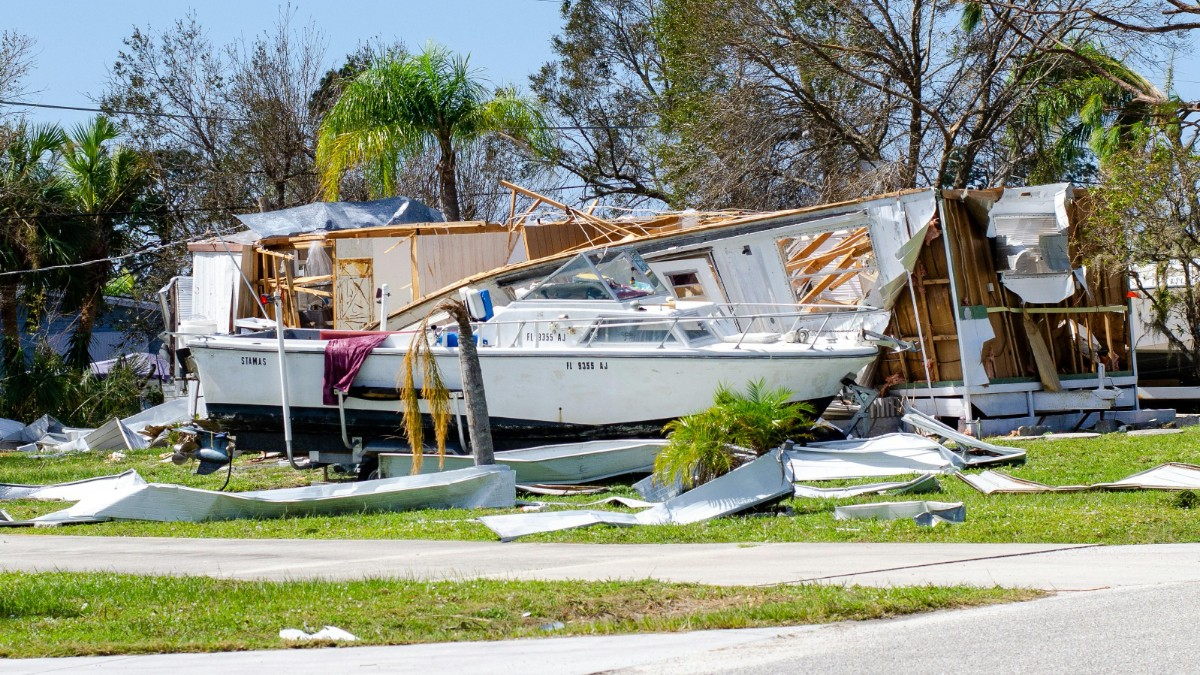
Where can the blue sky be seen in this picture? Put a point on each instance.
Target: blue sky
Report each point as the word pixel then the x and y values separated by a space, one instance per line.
pixel 77 41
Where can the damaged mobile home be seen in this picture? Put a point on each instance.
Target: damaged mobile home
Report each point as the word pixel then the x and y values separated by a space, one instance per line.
pixel 1005 325
pixel 1009 327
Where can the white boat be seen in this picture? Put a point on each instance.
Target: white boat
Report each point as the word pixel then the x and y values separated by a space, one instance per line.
pixel 600 348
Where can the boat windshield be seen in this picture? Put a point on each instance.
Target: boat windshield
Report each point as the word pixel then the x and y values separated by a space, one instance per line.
pixel 601 275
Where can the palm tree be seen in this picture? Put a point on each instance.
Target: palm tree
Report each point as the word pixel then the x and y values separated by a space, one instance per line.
pixel 405 105
pixel 104 185
pixel 31 195
pixel 1076 113
pixel 708 444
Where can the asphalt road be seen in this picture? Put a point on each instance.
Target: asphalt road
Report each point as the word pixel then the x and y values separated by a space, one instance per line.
pixel 1117 609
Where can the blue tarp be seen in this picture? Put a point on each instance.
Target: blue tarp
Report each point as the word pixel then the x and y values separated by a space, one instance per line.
pixel 332 216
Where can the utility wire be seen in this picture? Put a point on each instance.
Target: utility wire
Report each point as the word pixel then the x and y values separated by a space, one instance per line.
pixel 219 118
pixel 147 214
pixel 110 259
pixel 141 113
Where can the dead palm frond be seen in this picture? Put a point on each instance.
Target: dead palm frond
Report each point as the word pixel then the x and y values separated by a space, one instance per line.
pixel 433 390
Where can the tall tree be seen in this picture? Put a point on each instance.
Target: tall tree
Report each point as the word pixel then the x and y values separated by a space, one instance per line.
pixel 105 186
pixel 31 227
pixel 608 85
pixel 15 62
pixel 225 127
pixel 1146 218
pixel 1077 118
pixel 403 106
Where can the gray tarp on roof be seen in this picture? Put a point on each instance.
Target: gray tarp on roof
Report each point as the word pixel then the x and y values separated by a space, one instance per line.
pixel 331 216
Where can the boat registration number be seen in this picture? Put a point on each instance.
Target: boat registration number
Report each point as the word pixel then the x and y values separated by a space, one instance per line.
pixel 254 360
pixel 545 337
pixel 587 365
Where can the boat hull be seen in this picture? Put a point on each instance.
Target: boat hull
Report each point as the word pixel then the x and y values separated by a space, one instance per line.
pixel 530 393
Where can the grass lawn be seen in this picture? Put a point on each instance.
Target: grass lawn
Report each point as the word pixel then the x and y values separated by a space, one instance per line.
pixel 68 614
pixel 1105 518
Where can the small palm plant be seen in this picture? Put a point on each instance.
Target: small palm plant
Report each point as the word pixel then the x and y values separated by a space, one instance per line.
pixel 711 443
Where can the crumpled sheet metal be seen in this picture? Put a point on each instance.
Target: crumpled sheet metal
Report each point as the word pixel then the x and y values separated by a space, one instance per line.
pixel 1169 476
pixel 888 455
pixel 757 482
pixel 995 454
pixel 115 435
pixel 559 464
pixel 924 483
pixel 925 514
pixel 74 491
pixel 163 415
pixel 476 487
pixel 44 431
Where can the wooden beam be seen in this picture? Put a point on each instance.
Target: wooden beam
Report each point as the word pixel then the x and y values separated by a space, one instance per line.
pixel 1047 372
pixel 811 247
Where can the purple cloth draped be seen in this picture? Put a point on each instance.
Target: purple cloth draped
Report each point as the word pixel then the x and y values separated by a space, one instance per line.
pixel 343 359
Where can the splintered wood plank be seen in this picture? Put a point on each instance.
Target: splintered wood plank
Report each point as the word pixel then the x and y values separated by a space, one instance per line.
pixel 1047 372
pixel 855 244
pixel 811 247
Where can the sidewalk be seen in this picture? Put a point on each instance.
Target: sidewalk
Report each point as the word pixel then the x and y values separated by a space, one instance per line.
pixel 1046 566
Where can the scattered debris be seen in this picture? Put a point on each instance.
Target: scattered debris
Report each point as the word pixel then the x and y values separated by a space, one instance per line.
pixel 327 633
pixel 561 464
pixel 561 490
pixel 46 430
pixel 652 490
pixel 888 455
pixel 973 451
pixel 476 487
pixel 925 514
pixel 1169 476
pixel 1153 432
pixel 924 483
pixel 760 481
pixel 131 433
pixel 74 491
pixel 1062 436
pixel 552 626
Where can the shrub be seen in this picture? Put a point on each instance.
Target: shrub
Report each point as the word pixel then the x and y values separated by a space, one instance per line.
pixel 705 445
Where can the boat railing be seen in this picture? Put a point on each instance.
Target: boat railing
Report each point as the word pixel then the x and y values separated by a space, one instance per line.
pixel 799 317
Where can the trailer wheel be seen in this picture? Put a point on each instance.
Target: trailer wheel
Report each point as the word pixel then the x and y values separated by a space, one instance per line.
pixel 368 468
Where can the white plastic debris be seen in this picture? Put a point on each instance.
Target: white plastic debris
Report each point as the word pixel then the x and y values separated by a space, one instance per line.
pixel 327 633
pixel 926 514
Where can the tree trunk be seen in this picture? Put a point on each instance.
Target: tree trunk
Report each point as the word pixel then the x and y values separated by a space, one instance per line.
pixel 80 353
pixel 478 425
pixel 446 167
pixel 10 341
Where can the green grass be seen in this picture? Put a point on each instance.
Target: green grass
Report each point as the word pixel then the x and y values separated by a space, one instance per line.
pixel 1105 518
pixel 71 614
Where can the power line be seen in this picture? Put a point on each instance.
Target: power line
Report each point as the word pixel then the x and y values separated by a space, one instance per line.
pixel 220 118
pixel 111 259
pixel 148 214
pixel 114 111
